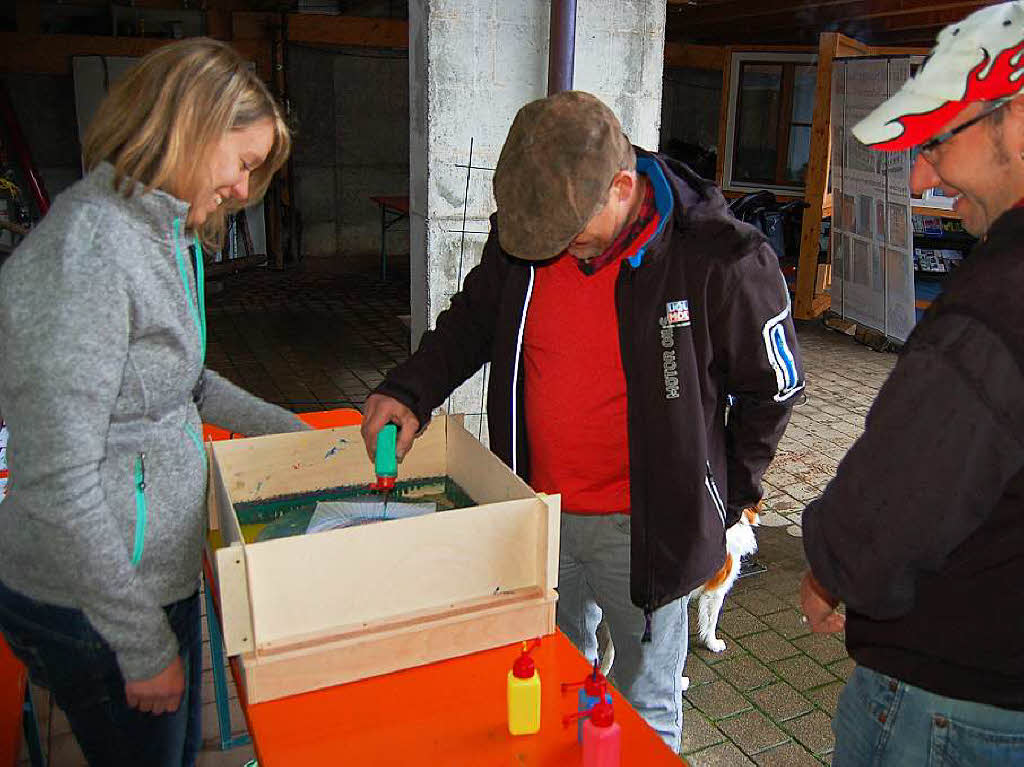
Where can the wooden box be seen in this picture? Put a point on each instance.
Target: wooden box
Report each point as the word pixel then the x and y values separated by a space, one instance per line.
pixel 316 610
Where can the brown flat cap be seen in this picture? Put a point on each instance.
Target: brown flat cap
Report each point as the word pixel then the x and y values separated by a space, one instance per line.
pixel 559 159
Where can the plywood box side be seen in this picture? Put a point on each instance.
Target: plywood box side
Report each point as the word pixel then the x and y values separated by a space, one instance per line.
pixel 309 583
pixel 211 491
pixel 233 591
pixel 549 538
pixel 407 621
pixel 276 465
pixel 478 471
pixel 346 661
pixel 224 508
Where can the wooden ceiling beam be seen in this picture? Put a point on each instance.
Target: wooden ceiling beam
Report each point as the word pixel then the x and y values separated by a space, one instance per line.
pixel 819 13
pixel 780 28
pixel 926 20
pixel 51 54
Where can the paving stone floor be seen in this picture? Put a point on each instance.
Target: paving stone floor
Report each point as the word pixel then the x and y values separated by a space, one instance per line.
pixel 313 341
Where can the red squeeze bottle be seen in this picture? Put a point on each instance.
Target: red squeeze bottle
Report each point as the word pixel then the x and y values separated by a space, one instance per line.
pixel 602 736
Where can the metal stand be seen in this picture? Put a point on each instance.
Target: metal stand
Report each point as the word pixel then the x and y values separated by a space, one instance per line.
pixel 220 686
pixel 31 728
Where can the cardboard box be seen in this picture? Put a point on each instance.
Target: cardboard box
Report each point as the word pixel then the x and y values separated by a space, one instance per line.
pixel 316 610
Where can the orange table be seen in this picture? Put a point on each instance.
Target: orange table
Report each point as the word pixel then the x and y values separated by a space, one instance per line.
pixel 449 713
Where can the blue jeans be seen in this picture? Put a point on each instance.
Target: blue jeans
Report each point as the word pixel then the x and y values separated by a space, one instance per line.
pixel 883 722
pixel 593 582
pixel 64 654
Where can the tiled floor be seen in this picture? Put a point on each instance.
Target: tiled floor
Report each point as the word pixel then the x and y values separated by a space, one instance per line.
pixel 319 341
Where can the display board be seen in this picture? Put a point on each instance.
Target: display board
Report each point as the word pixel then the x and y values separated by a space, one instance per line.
pixel 872 237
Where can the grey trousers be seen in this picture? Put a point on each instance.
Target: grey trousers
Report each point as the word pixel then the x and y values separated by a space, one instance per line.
pixel 593 582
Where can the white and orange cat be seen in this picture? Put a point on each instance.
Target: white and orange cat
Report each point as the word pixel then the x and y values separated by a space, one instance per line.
pixel 739 542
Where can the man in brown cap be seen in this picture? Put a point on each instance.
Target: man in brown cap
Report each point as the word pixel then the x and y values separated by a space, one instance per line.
pixel 622 309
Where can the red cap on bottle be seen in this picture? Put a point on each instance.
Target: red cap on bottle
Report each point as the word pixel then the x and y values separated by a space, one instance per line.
pixel 602 714
pixel 524 667
pixel 595 684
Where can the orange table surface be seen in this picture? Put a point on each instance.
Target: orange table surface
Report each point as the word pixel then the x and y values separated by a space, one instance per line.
pixel 448 713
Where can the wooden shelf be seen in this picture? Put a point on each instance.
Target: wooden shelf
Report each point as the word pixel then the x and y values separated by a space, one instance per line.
pixel 929 211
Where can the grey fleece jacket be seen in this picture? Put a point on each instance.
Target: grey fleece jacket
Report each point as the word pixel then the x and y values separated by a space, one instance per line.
pixel 104 391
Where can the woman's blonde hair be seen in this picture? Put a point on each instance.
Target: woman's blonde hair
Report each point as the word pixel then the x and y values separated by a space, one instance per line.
pixel 160 122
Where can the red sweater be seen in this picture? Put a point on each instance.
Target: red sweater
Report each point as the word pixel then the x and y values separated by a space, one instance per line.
pixel 575 387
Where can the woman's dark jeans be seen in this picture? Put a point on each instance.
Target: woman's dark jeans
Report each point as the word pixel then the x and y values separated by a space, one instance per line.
pixel 64 654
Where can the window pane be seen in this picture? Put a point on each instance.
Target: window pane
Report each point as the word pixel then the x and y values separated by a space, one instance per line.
pixel 757 123
pixel 799 153
pixel 805 82
pixel 690 104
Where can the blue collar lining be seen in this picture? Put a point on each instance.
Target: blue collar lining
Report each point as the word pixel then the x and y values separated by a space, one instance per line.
pixel 663 201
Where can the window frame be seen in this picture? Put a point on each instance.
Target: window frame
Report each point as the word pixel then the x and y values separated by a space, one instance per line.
pixel 739 59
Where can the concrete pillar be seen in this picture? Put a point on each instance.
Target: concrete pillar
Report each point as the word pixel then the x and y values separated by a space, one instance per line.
pixel 472 65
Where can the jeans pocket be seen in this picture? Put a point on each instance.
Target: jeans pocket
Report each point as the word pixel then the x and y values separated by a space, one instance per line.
pixel 959 744
pixel 876 691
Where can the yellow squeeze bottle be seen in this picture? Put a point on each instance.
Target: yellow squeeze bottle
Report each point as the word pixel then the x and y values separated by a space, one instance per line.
pixel 524 694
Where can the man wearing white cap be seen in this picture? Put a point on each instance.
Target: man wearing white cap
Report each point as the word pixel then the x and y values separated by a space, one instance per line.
pixel 921 534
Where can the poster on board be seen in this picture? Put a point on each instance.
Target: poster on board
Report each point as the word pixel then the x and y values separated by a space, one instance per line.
pixel 872 242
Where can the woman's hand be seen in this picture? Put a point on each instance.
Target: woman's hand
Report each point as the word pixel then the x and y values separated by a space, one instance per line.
pixel 160 694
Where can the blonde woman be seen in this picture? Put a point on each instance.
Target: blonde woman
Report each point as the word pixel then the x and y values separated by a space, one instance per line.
pixel 103 387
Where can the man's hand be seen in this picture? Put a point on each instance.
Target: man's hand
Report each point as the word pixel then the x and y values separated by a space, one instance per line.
pixel 819 610
pixel 380 411
pixel 160 694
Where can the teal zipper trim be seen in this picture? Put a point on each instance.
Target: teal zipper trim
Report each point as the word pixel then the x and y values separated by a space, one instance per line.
pixel 196 438
pixel 140 507
pixel 198 315
pixel 201 292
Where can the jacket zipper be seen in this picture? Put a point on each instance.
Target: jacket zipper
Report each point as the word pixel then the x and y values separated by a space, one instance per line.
pixel 140 507
pixel 515 374
pixel 197 307
pixel 627 272
pixel 196 439
pixel 716 497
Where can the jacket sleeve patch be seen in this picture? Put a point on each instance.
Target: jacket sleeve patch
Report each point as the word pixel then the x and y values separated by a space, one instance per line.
pixel 780 356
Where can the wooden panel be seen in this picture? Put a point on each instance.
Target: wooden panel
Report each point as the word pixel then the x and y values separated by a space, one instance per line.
pixel 817 173
pixel 304 462
pixel 255 25
pixel 329 581
pixel 233 589
pixel 382 650
pixel 348 31
pixel 222 510
pixel 478 471
pixel 27 17
pixel 51 54
pixel 694 56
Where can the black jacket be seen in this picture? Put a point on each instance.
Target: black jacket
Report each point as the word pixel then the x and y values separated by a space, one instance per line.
pixel 731 334
pixel 921 532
